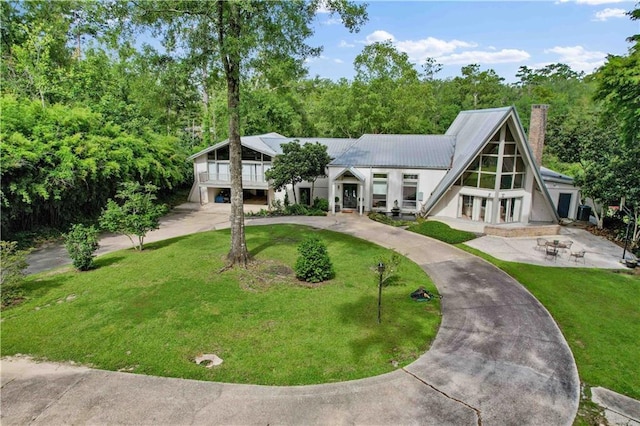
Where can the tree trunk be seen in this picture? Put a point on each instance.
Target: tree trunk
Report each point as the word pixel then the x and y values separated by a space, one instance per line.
pixel 238 255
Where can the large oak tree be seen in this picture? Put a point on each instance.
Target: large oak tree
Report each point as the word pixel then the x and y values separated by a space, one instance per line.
pixel 236 37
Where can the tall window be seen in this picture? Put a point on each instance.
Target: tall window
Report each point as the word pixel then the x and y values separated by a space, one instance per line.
pixel 409 191
pixel 379 190
pixel 512 176
pixel 483 172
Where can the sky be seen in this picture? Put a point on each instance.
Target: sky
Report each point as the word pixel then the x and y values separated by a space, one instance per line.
pixel 498 35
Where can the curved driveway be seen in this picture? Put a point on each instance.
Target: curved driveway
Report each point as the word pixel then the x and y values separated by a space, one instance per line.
pixel 498 358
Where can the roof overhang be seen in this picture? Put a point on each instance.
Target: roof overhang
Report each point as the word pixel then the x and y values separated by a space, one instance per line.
pixel 351 170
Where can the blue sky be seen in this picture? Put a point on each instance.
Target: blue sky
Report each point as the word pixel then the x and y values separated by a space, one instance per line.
pixel 502 35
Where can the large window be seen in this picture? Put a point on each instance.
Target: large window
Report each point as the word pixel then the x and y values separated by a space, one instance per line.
pixel 512 176
pixel 409 191
pixel 379 190
pixel 484 173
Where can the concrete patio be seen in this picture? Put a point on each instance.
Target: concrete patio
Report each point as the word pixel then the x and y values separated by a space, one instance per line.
pixel 599 252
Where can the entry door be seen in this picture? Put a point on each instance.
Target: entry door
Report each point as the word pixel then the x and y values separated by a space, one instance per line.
pixel 350 196
pixel 564 202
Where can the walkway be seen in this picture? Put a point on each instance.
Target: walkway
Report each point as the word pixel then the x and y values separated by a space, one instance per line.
pixel 498 358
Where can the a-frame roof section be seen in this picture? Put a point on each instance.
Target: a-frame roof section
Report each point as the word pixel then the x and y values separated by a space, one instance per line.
pixel 472 130
pixel 253 142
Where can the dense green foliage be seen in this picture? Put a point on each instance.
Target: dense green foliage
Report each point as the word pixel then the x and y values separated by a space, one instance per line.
pixel 60 164
pixel 81 242
pixel 134 214
pixel 597 311
pixel 12 265
pixel 441 231
pixel 313 264
pixel 153 312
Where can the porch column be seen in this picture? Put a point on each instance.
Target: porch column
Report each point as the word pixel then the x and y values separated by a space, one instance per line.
pixel 332 197
pixel 360 199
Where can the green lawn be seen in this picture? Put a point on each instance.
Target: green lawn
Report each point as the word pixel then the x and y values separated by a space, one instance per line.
pixel 598 312
pixel 153 312
pixel 441 231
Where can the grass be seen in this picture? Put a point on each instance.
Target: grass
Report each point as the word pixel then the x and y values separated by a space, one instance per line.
pixel 441 231
pixel 598 313
pixel 153 312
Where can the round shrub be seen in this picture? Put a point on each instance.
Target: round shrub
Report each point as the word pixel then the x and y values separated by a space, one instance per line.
pixel 313 264
pixel 81 241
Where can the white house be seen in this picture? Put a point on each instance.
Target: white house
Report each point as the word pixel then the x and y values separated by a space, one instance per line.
pixel 482 169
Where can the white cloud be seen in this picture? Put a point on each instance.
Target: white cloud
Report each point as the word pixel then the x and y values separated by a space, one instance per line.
pixel 608 13
pixel 420 50
pixel 332 21
pixel 378 36
pixel 338 61
pixel 345 44
pixel 485 57
pixel 578 58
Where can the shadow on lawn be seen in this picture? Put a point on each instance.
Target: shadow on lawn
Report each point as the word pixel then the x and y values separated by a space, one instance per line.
pixel 398 322
pixel 164 243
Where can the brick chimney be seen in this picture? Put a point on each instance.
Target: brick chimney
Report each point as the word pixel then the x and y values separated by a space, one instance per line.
pixel 537 128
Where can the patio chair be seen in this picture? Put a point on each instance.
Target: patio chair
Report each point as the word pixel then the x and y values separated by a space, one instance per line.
pixel 566 245
pixel 577 255
pixel 551 251
pixel 541 243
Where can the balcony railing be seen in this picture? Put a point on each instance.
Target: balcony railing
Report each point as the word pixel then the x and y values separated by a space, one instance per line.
pixel 225 179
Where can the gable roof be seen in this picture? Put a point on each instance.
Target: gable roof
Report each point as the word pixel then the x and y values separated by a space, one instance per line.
pixel 271 144
pixel 410 151
pixel 254 142
pixel 472 130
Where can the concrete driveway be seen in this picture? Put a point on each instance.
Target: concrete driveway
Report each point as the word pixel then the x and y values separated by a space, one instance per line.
pixel 498 358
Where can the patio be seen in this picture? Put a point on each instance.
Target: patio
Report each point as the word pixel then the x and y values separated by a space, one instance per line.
pixel 599 252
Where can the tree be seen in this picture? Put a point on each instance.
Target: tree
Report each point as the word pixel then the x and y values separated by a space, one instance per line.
pixel 81 242
pixel 316 162
pixel 289 168
pixel 243 35
pixel 137 213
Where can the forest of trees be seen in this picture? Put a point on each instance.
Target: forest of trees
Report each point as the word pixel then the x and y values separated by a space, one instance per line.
pixel 86 107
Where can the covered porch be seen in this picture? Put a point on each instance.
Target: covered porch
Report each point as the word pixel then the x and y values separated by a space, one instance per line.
pixel 346 191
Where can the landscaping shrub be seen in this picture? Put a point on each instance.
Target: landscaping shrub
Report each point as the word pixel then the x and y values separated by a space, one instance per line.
pixel 81 242
pixel 296 210
pixel 13 263
pixel 316 212
pixel 441 231
pixel 313 264
pixel 383 218
pixel 321 204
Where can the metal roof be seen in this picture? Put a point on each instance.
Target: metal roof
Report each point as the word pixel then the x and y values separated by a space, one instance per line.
pixel 335 146
pixel 408 151
pixel 472 130
pixel 253 142
pixel 553 176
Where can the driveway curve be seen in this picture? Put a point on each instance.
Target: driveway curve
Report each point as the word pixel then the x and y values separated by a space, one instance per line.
pixel 498 358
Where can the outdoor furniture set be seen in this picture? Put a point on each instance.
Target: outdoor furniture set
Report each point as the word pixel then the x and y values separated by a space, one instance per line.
pixel 552 249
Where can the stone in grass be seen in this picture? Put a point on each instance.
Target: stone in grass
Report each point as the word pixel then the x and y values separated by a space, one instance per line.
pixel 210 359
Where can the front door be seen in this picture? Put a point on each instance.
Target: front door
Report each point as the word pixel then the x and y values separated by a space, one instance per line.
pixel 564 201
pixel 350 196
